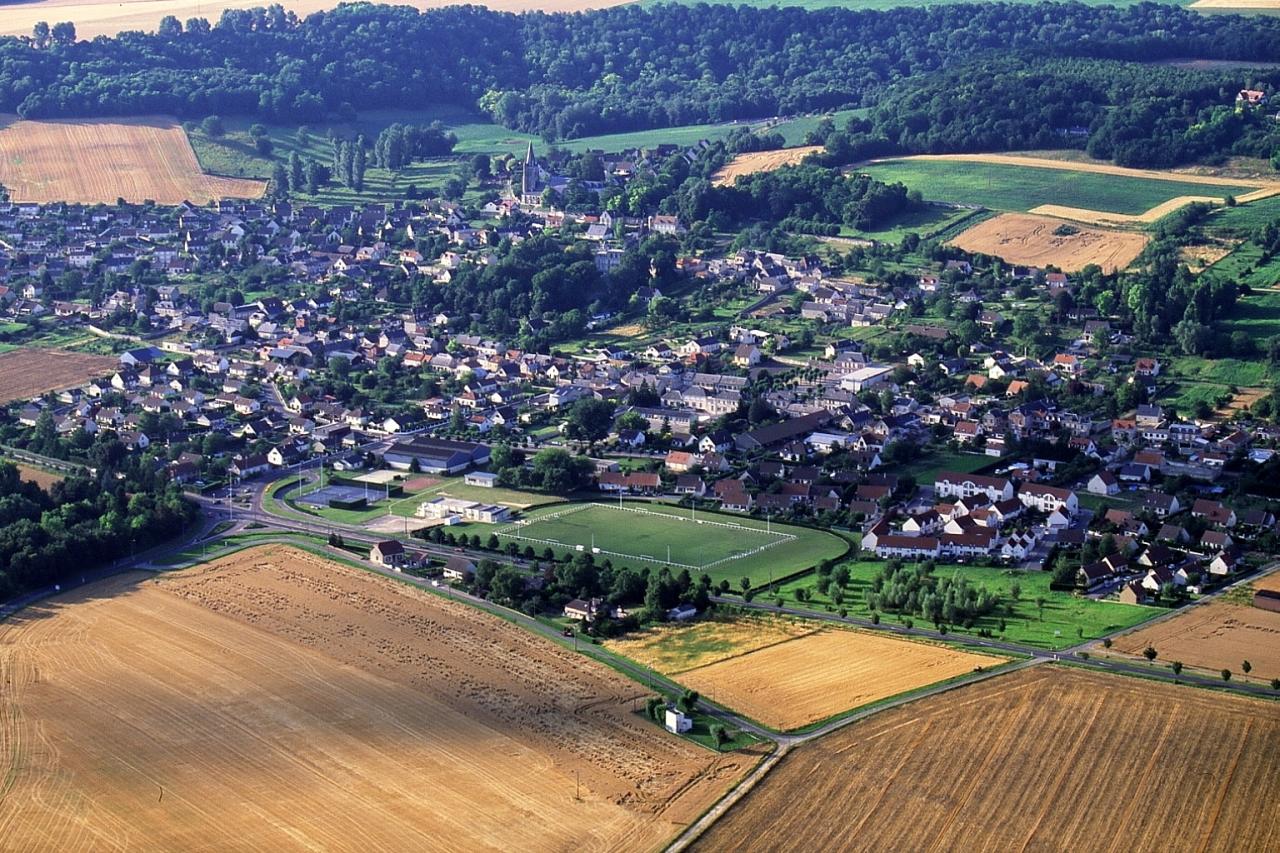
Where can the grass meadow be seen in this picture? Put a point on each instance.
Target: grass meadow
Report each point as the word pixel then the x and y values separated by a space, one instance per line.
pixel 233 154
pixel 1021 188
pixel 1066 618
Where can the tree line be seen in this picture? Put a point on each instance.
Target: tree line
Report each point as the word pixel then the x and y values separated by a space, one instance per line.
pixel 632 67
pixel 80 523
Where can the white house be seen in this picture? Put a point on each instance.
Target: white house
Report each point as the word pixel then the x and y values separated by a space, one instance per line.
pixel 1103 483
pixel 950 484
pixel 483 479
pixel 677 723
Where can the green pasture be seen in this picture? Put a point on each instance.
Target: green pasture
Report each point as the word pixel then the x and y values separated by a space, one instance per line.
pixel 1064 612
pixel 1021 188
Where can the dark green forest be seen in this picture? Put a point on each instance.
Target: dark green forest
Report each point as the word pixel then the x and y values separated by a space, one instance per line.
pixel 948 77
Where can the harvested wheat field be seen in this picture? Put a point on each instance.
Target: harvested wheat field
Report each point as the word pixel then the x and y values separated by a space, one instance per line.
pixel 1046 758
pixel 91 161
pixel 1021 238
pixel 108 17
pixel 26 373
pixel 787 675
pixel 673 649
pixel 1269 582
pixel 761 161
pixel 275 700
pixel 1214 636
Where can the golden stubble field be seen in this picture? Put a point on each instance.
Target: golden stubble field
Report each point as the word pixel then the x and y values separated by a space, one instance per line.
pixel 790 674
pixel 275 700
pixel 92 161
pixel 108 17
pixel 1214 636
pixel 26 373
pixel 761 161
pixel 1023 238
pixel 1046 758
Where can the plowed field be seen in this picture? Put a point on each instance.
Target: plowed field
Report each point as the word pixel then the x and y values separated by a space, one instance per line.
pixel 26 373
pixel 761 161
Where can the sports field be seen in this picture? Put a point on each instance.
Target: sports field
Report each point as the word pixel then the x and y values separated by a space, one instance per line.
pixel 1046 758
pixel 788 674
pixel 276 700
pixel 655 535
pixel 1006 182
pixel 92 161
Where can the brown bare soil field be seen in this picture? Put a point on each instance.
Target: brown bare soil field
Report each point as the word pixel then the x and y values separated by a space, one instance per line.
pixel 1214 636
pixel 108 17
pixel 1202 256
pixel 1245 398
pixel 761 161
pixel 91 161
pixel 1022 238
pixel 790 674
pixel 626 330
pixel 1045 758
pixel 274 700
pixel 42 478
pixel 26 373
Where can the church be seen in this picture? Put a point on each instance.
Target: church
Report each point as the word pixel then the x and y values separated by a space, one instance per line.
pixel 531 182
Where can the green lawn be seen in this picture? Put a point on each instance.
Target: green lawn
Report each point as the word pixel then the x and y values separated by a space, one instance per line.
pixel 794 130
pixel 641 539
pixel 1258 314
pixel 1021 188
pixel 926 469
pixel 1063 612
pixel 926 222
pixel 1222 371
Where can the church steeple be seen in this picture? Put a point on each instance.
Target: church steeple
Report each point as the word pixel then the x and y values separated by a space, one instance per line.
pixel 529 174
